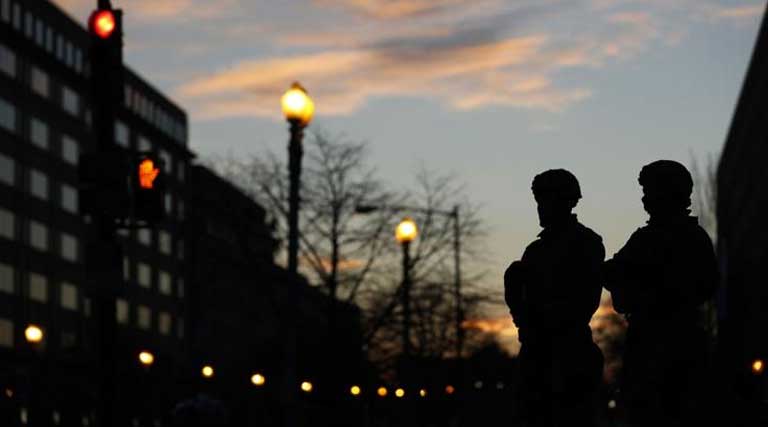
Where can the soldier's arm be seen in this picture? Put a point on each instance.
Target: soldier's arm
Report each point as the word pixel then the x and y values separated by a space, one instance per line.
pixel 514 294
pixel 621 275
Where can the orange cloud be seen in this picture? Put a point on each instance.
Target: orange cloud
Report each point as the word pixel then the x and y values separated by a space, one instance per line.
pixel 739 12
pixel 392 9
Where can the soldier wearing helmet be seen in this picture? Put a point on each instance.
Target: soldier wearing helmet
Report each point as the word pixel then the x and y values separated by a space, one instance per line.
pixel 552 292
pixel 659 279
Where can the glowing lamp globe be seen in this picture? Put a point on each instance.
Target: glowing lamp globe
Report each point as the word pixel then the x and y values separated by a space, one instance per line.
pixel 297 105
pixel 406 231
pixel 258 380
pixel 146 358
pixel 33 334
pixel 103 23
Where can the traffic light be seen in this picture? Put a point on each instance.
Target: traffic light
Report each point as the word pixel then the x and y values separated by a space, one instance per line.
pixel 148 184
pixel 105 27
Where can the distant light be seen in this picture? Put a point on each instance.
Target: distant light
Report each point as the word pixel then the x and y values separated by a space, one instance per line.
pixel 423 393
pixel 306 387
pixel 406 231
pixel 207 371
pixel 399 392
pixel 478 384
pixel 758 367
pixel 499 385
pixel 146 358
pixel 449 389
pixel 382 392
pixel 612 404
pixel 33 334
pixel 354 390
pixel 8 393
pixel 258 380
pixel 297 105
pixel 103 23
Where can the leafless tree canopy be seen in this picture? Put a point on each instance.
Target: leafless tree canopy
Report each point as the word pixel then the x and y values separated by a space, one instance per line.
pixel 355 257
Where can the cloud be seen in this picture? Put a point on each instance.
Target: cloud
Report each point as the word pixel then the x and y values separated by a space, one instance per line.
pixel 393 9
pixel 739 12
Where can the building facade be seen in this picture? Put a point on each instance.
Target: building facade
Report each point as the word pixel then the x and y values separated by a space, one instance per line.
pixel 45 126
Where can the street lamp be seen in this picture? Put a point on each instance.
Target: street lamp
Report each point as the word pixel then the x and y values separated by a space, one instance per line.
pixel 399 392
pixel 258 380
pixel 354 390
pixel 298 109
pixel 382 391
pixel 454 215
pixel 207 371
pixel 33 334
pixel 146 358
pixel 306 387
pixel 405 233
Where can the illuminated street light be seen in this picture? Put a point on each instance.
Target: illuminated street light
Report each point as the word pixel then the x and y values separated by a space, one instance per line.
pixel 382 392
pixel 207 371
pixel 298 109
pixel 405 233
pixel 449 389
pixel 354 390
pixel 758 367
pixel 399 392
pixel 423 393
pixel 258 380
pixel 306 387
pixel 146 358
pixel 33 334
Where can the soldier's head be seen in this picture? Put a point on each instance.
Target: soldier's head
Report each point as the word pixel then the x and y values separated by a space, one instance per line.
pixel 556 192
pixel 667 187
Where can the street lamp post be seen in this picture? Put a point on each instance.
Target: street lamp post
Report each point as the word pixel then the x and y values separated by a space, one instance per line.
pixel 454 215
pixel 405 233
pixel 298 109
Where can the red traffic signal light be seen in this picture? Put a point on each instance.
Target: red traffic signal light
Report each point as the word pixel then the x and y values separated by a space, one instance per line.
pixel 103 23
pixel 147 173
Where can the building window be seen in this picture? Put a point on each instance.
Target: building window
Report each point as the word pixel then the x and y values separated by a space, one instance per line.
pixel 7 116
pixel 6 333
pixel 39 33
pixel 69 198
pixel 180 167
pixel 5 10
pixel 144 236
pixel 16 17
pixel 7 61
pixel 69 296
pixel 38 133
pixel 38 287
pixel 164 242
pixel 69 55
pixel 68 248
pixel 122 135
pixel 40 82
pixel 78 60
pixel 144 275
pixel 70 100
pixel 144 144
pixel 122 311
pixel 38 184
pixel 168 203
pixel 87 307
pixel 164 323
pixel 181 291
pixel 60 48
pixel 126 268
pixel 167 161
pixel 38 236
pixel 180 249
pixel 144 317
pixel 29 25
pixel 49 40
pixel 69 150
pixel 7 170
pixel 7 224
pixel 165 283
pixel 180 208
pixel 6 278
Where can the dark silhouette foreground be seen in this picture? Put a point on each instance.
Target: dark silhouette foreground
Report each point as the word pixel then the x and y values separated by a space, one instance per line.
pixel 659 279
pixel 552 293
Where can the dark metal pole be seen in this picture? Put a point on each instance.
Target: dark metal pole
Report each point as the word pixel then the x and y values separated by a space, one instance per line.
pixel 295 152
pixel 406 299
pixel 457 281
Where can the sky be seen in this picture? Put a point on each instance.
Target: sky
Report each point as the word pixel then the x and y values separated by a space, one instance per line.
pixel 493 91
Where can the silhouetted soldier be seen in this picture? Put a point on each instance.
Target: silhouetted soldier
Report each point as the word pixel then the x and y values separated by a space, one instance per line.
pixel 552 293
pixel 659 279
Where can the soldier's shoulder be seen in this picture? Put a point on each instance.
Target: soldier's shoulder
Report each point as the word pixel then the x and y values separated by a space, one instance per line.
pixel 589 234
